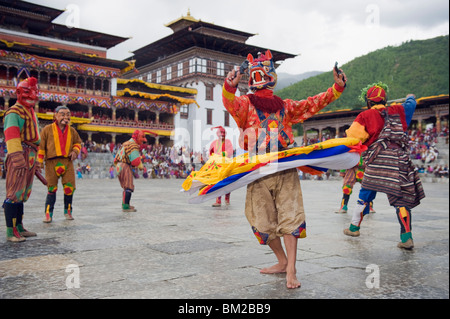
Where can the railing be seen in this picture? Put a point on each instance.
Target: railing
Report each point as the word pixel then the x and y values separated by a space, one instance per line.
pixel 62 88
pixel 163 126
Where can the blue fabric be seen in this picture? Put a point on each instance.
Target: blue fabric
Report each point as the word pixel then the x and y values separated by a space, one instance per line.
pixel 410 107
pixel 313 155
pixel 367 196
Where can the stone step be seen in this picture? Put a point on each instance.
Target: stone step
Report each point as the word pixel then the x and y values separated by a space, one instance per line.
pixel 99 163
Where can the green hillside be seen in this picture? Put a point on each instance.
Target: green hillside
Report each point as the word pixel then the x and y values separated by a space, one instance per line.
pixel 420 67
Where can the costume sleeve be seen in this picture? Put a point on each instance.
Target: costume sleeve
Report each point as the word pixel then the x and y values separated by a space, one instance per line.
pixel 299 111
pixel 42 146
pixel 236 106
pixel 76 147
pixel 134 155
pixel 358 129
pixel 12 126
pixel 410 107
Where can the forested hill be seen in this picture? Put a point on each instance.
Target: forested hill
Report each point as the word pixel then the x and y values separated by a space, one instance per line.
pixel 420 67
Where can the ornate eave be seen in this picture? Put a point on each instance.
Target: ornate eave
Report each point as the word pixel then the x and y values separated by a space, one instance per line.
pixel 37 20
pixel 193 33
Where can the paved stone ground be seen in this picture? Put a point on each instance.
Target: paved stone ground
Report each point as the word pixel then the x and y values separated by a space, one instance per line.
pixel 170 249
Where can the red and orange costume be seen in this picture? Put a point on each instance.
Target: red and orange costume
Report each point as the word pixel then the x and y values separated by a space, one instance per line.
pixel 223 147
pixel 266 123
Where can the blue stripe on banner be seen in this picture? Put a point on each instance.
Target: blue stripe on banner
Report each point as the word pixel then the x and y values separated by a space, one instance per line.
pixel 340 149
pixel 318 153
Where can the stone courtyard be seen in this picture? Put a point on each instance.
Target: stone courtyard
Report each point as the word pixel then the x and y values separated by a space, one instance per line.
pixel 170 249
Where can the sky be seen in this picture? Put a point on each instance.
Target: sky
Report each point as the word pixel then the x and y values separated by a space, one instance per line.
pixel 318 32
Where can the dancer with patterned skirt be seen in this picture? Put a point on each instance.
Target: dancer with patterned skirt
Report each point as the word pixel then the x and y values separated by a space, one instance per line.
pixel 22 139
pixel 60 146
pixel 388 166
pixel 129 157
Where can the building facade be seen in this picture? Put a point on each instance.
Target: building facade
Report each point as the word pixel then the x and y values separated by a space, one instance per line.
pixel 72 69
pixel 198 55
pixel 172 86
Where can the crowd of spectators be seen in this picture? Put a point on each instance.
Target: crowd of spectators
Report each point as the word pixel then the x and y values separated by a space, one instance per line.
pixel 102 117
pixel 423 144
pixel 423 148
pixel 166 162
pixel 159 161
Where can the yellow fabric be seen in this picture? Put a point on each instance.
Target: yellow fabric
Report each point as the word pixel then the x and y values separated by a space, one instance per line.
pixel 336 93
pixel 14 145
pixel 182 100
pixel 158 86
pixel 228 95
pixel 403 212
pixel 218 167
pixel 57 141
pixel 358 131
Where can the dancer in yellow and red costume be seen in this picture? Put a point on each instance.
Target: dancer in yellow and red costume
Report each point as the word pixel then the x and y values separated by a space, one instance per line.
pixel 274 202
pixel 60 146
pixel 22 139
pixel 224 148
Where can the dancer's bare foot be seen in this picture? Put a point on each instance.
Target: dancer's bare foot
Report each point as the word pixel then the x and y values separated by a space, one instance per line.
pixel 292 281
pixel 275 269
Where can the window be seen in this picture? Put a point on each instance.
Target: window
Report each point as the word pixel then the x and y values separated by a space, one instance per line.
pixel 184 111
pixel 201 65
pixel 220 68
pixel 169 73
pixel 212 66
pixel 180 69
pixel 209 90
pixel 198 65
pixel 158 76
pixel 209 116
pixel 149 77
pixel 226 119
pixel 192 63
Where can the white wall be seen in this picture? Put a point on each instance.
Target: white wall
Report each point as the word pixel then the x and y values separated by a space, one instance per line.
pixel 194 132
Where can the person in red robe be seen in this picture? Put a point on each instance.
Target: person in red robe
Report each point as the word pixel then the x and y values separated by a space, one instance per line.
pixel 224 147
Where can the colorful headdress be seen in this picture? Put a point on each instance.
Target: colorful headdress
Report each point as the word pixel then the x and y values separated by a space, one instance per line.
pixel 27 92
pixel 28 83
pixel 139 136
pixel 262 73
pixel 376 92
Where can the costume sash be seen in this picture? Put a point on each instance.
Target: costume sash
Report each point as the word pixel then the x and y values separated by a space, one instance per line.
pixel 221 175
pixel 62 140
